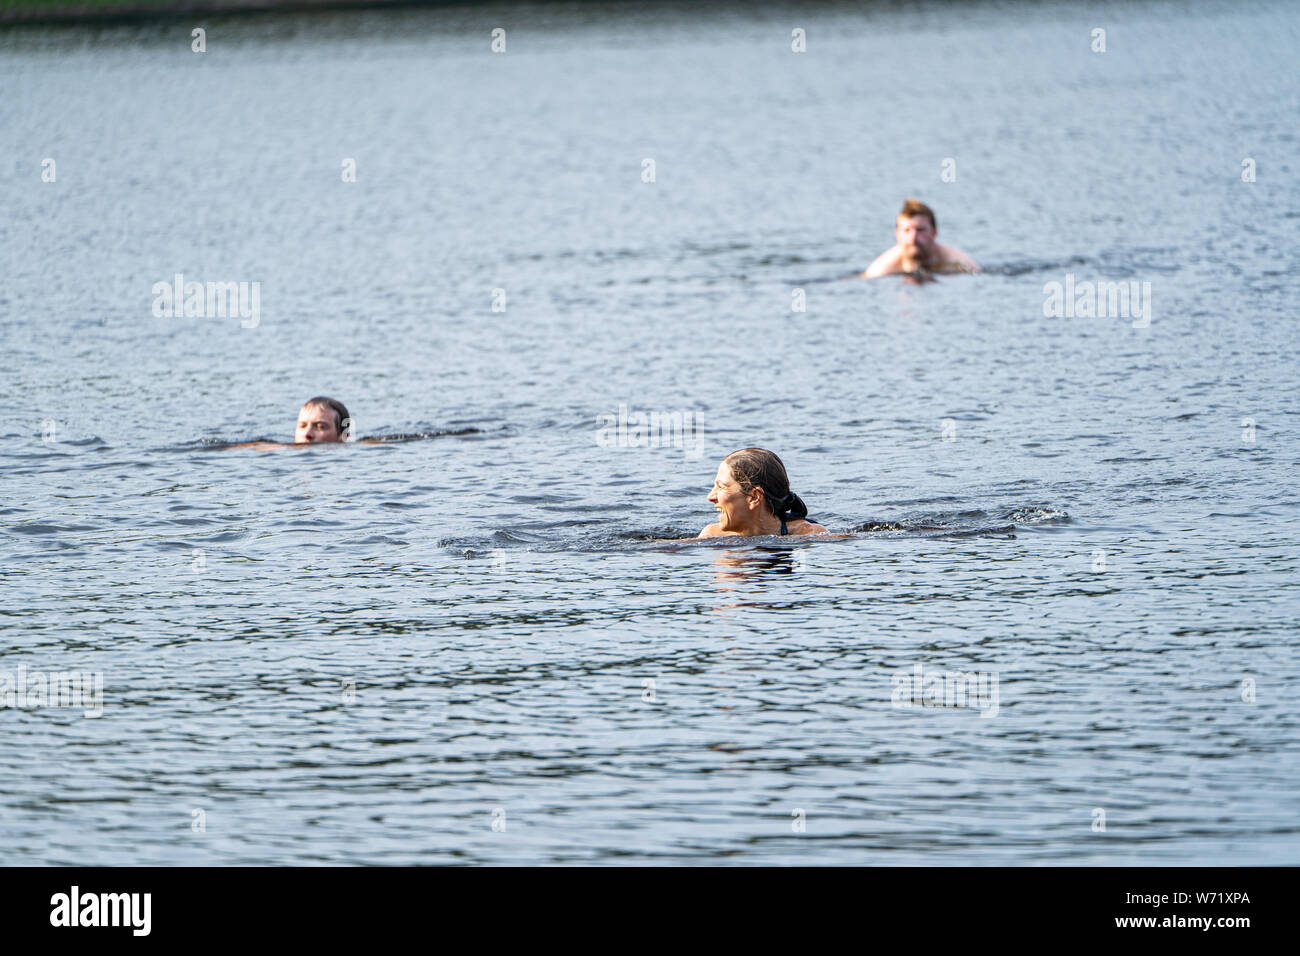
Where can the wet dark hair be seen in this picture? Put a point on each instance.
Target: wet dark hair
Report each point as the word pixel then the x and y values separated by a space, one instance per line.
pixel 760 468
pixel 339 409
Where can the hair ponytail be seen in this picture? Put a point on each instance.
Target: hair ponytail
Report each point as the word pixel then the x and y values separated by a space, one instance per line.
pixel 791 506
pixel 759 468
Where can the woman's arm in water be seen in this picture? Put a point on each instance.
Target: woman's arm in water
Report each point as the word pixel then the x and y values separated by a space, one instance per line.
pixel 710 531
pixel 275 445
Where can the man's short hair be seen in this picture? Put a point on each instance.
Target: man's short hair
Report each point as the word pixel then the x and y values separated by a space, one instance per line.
pixel 340 411
pixel 914 207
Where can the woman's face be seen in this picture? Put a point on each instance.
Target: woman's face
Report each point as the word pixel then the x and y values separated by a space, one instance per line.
pixel 734 506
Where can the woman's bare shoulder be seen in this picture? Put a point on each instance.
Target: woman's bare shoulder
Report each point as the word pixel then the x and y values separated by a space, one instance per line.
pixel 808 527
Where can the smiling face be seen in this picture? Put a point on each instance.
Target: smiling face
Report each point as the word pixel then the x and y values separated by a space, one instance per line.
pixel 736 508
pixel 317 423
pixel 916 236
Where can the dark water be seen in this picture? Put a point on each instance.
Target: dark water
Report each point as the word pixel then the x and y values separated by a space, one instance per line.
pixel 441 649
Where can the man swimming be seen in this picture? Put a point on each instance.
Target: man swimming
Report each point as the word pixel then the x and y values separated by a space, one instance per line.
pixel 919 251
pixel 321 419
pixel 753 497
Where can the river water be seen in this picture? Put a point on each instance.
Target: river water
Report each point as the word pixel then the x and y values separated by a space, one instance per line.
pixel 474 644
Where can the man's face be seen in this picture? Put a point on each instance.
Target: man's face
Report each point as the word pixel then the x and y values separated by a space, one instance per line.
pixel 915 235
pixel 316 423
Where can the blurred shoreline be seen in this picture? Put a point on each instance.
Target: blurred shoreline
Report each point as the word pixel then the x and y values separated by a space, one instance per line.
pixel 48 12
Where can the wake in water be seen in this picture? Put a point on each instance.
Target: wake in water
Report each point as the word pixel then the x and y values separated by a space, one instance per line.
pixel 963 524
pixel 1111 263
pixel 220 444
pixel 1014 268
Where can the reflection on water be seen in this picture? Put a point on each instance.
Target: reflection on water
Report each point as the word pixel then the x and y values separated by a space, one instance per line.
pixel 752 567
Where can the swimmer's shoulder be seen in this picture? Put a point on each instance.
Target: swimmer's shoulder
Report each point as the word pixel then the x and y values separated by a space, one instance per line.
pixel 710 531
pixel 955 260
pixel 886 263
pixel 804 526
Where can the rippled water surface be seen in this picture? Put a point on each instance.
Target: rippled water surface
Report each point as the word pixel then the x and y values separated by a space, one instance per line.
pixel 476 645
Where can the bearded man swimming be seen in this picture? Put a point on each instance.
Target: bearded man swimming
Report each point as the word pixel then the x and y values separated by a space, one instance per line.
pixel 918 250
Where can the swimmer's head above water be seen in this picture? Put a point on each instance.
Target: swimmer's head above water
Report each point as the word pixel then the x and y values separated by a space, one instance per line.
pixel 322 419
pixel 752 495
pixel 918 250
pixel 916 230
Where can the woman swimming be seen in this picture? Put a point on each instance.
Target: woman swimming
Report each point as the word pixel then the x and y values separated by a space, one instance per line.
pixel 753 497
